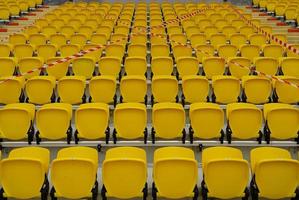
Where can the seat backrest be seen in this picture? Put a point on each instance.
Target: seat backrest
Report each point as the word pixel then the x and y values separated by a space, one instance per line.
pixel 84 66
pixel 22 178
pixel 71 89
pixel 23 50
pixel 109 66
pixel 158 50
pixel 187 66
pixel 102 88
pixel 213 66
pixel 130 113
pixel 69 49
pixel 239 66
pixel 202 114
pixel 162 65
pixel 137 50
pixel 8 66
pixel 164 88
pixel 46 51
pixel 266 65
pixel 226 88
pixel 133 88
pixel 30 63
pixel 285 92
pixel 288 67
pixel 195 88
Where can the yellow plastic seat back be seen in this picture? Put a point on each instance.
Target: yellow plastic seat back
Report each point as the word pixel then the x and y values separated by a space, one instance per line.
pixel 58 70
pixel 182 177
pixel 121 163
pixel 195 88
pixel 198 39
pixel 239 66
pixel 213 66
pixel 285 92
pixel 84 66
pixel 239 115
pixel 22 175
pixel 130 113
pixel 226 51
pixel 58 39
pixel 273 50
pixel 164 88
pixel 226 88
pixel 238 39
pixel 266 65
pixel 181 51
pixel 135 65
pixel 162 65
pixel 8 66
pixel 39 89
pixel 73 172
pixel 46 51
pixel 139 50
pixel 55 113
pixel 5 50
pixel 159 50
pixel 203 114
pixel 92 120
pixel 28 64
pixel 187 66
pixel 102 88
pixel 168 120
pixel 11 89
pixel 69 49
pixel 95 55
pixel 257 89
pixel 282 120
pixel 203 51
pixel 17 38
pixel 250 51
pixel 109 66
pixel 37 39
pixel 133 88
pixel 23 51
pixel 22 114
pixel 288 67
pixel 71 89
pixel 224 185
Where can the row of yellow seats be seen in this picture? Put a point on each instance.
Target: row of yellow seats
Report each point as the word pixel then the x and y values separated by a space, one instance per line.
pixel 15 8
pixel 74 173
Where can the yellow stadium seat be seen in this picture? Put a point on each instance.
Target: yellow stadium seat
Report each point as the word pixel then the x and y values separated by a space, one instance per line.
pixel 40 89
pixel 229 30
pixel 160 50
pixel 266 65
pixel 273 50
pixel 110 66
pixel 69 49
pixel 58 40
pixel 8 66
pixel 203 51
pixel 58 23
pixel 162 65
pixel 139 39
pixel 238 39
pixel 78 39
pixel 71 89
pixel 285 93
pixel 18 38
pixel 74 173
pixel 288 66
pixel 120 163
pixel 130 113
pixel 175 182
pixel 238 115
pixel 57 70
pixel 67 30
pixel 226 89
pixel 247 30
pixel 168 121
pixel 192 30
pixel 41 23
pixel 181 51
pixel 195 89
pixel 250 51
pixel 28 64
pixel 228 185
pixel 273 168
pixel 59 114
pixel 24 173
pixel 4 14
pixel 49 30
pixel 296 46
pixel 137 50
pixel 37 39
pixel 174 29
pixel 46 51
pixel 5 50
pixel 239 66
pixel 11 90
pixel 23 50
pixel 85 30
pixel 23 115
pixel 164 88
pixel 213 66
pixel 210 30
pixel 187 66
pixel 203 114
pixel 227 50
pixel 256 89
pixel 257 39
pixel 98 38
pixel 217 39
pixel 133 88
pixel 158 38
pixel 83 66
pixel 281 121
pixel 92 121
pixel 198 39
pixel 121 29
pixel 102 89
pixel 115 50
pixel 281 37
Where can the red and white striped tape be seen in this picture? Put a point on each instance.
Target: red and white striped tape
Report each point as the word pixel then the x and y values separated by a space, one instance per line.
pixel 272 37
